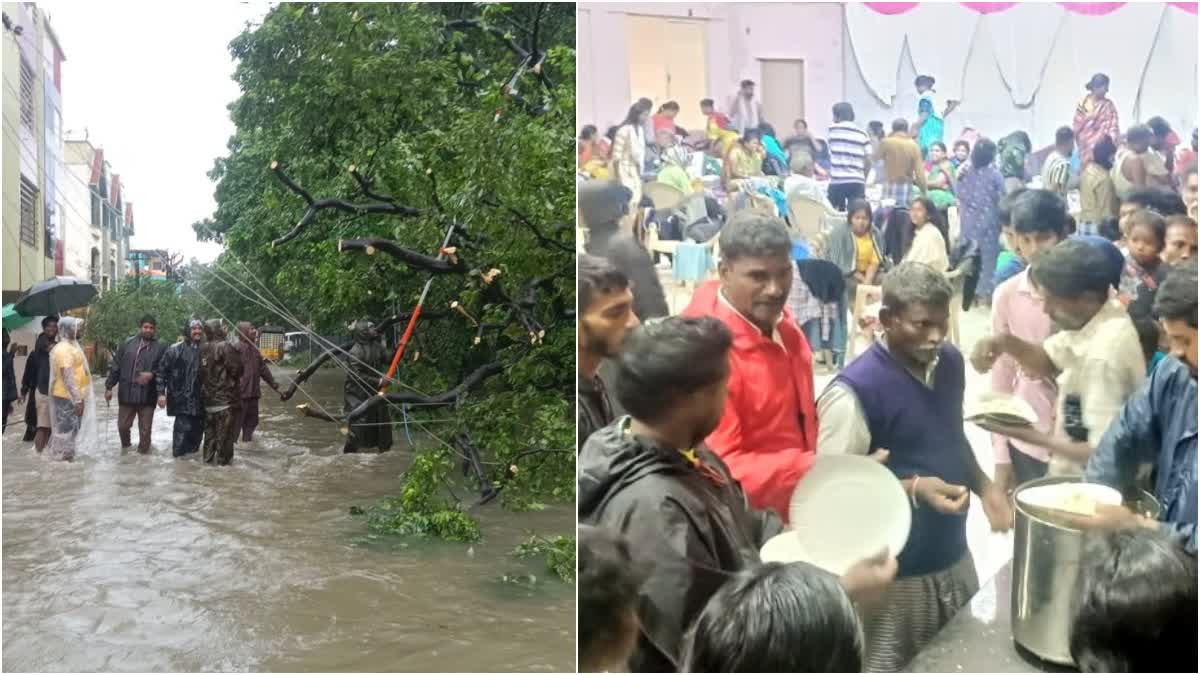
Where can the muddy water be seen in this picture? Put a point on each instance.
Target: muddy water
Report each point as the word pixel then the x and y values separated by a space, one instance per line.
pixel 146 563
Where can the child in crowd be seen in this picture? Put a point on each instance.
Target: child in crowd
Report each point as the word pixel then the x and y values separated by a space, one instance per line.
pixel 776 618
pixel 1009 262
pixel 1181 240
pixel 609 584
pixel 1138 607
pixel 1144 267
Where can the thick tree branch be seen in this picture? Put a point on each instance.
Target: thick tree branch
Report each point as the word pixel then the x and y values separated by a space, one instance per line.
pixel 527 222
pixel 315 206
pixel 407 256
pixel 448 397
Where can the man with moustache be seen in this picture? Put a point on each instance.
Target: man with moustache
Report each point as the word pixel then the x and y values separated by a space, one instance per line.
pixel 768 433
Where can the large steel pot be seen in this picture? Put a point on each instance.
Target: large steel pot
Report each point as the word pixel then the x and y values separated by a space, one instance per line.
pixel 1046 583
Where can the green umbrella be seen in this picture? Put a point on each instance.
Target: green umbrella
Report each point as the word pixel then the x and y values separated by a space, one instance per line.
pixel 12 320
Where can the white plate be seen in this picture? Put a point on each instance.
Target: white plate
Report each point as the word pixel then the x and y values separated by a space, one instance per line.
pixel 1064 496
pixel 996 402
pixel 845 509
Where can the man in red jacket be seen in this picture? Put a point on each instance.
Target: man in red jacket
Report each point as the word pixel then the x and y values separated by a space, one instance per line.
pixel 768 432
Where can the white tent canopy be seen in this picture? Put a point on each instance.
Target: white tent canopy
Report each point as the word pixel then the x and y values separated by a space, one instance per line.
pixel 1023 67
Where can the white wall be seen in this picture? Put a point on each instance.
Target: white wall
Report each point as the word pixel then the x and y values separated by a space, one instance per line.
pixel 76 219
pixel 737 35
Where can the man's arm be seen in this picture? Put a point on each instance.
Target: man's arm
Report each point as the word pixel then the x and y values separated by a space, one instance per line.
pixel 1004 381
pixel 161 374
pixel 264 371
pixel 844 429
pixel 114 368
pixel 918 170
pixel 1033 358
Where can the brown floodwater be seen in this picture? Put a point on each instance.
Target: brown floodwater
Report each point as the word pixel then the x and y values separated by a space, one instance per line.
pixel 122 562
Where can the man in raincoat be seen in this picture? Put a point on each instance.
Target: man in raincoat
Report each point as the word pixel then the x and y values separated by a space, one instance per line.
pixel 178 379
pixel 254 367
pixel 220 386
pixel 132 373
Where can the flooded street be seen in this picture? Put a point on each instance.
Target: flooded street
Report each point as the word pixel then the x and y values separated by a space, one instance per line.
pixel 146 563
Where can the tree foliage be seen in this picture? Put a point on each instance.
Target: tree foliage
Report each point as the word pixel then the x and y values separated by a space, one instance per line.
pixel 117 314
pixel 421 112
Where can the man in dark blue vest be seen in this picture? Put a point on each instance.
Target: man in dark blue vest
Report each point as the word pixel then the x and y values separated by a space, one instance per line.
pixel 905 395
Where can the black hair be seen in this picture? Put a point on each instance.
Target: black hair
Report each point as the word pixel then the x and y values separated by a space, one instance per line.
pixel 148 319
pixel 1159 126
pixel 938 144
pixel 1137 612
pixel 856 206
pixel 1139 132
pixel 1104 151
pixel 1039 211
pixel 747 83
pixel 1099 79
pixel 588 132
pixel 962 143
pixel 899 124
pixel 913 283
pixel 1148 336
pixel 597 275
pixel 1150 219
pixel 611 133
pixel 1110 229
pixel 669 105
pixel 751 135
pixel 875 128
pixel 707 103
pixel 635 111
pixel 665 360
pixel 983 154
pixel 49 319
pixel 1005 206
pixel 1073 268
pixel 1064 135
pixel 776 618
pixel 7 339
pixel 1163 202
pixel 1176 296
pixel 843 112
pixel 765 129
pixel 609 583
pixel 754 234
pixel 923 79
pixel 1022 138
pixel 1181 221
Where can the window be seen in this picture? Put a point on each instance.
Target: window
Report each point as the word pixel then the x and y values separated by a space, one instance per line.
pixel 28 118
pixel 95 209
pixel 49 231
pixel 29 194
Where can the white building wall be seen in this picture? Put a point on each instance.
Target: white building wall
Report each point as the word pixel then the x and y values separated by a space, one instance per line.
pixel 76 220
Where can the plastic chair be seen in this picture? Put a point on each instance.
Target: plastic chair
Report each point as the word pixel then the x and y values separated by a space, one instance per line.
pixel 807 216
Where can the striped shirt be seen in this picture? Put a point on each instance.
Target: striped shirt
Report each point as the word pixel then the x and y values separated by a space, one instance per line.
pixel 1056 173
pixel 848 148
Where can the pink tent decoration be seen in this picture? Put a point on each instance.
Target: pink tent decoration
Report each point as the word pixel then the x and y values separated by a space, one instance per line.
pixel 1092 8
pixel 891 8
pixel 1189 7
pixel 989 7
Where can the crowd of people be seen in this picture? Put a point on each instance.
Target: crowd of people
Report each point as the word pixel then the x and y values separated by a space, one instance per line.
pixel 211 386
pixel 695 429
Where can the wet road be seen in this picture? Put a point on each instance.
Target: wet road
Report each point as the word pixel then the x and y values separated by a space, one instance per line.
pixel 145 563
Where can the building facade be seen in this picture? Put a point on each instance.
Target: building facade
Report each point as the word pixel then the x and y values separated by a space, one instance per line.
pixel 98 220
pixel 33 170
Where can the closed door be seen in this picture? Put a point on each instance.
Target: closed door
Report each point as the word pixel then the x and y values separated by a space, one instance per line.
pixel 667 63
pixel 782 93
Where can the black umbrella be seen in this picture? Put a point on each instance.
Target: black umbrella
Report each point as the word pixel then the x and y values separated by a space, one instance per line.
pixel 54 296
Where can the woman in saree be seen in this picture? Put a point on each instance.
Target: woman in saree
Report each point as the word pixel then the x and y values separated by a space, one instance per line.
pixel 628 158
pixel 939 176
pixel 72 406
pixel 745 160
pixel 979 194
pixel 1095 118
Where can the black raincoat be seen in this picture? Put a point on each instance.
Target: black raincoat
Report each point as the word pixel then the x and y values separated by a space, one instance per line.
pixel 692 525
pixel 178 376
pixel 132 358
pixel 373 429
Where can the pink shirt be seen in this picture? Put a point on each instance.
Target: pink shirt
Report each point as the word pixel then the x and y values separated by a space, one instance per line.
pixel 1017 310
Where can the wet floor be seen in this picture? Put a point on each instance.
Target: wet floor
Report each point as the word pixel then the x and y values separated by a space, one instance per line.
pixel 122 562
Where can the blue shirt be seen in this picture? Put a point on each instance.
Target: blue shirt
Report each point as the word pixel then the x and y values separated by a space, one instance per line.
pixel 1157 424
